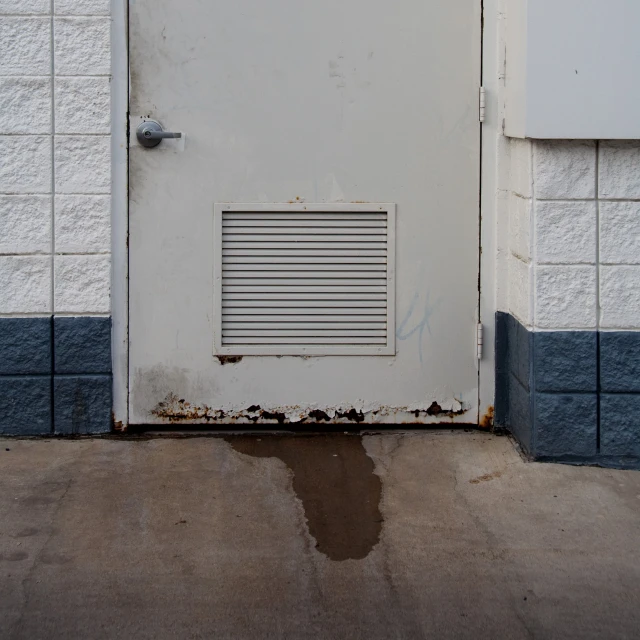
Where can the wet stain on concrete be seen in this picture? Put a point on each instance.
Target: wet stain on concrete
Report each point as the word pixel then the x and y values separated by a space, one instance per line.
pixel 37 501
pixel 334 478
pixel 55 558
pixel 16 556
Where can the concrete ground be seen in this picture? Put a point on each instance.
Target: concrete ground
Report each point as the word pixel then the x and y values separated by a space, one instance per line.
pixel 413 535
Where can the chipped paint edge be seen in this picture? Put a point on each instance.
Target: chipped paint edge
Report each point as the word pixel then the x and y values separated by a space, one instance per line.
pixel 176 410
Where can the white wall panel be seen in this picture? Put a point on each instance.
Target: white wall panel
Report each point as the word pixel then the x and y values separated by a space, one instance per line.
pixel 572 69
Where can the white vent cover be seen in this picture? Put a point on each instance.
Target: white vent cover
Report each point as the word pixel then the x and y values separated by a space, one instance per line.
pixel 304 279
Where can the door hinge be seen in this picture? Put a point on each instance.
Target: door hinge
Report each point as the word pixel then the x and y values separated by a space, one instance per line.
pixel 479 340
pixel 483 103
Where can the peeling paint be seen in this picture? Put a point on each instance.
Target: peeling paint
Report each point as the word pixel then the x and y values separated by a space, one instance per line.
pixel 278 416
pixel 445 409
pixel 352 414
pixel 229 359
pixel 436 410
pixel 174 409
pixel 318 415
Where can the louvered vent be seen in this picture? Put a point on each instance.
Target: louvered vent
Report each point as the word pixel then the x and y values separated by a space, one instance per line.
pixel 304 279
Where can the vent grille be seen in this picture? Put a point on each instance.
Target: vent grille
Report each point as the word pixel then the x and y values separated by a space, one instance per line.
pixel 304 279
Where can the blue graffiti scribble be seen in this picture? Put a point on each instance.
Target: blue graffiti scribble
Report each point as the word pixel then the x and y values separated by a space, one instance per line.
pixel 423 324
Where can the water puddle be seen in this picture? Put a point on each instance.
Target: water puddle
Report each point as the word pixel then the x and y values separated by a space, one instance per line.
pixel 333 477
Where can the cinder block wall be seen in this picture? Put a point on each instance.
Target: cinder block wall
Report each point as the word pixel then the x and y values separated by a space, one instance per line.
pixel 569 340
pixel 55 243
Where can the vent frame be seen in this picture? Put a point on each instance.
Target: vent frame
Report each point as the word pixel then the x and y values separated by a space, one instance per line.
pixel 348 349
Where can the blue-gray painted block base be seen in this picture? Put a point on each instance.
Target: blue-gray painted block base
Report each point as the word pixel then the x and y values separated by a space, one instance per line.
pixel 25 346
pixel 25 405
pixel 570 396
pixel 620 424
pixel 82 345
pixel 82 404
pixel 55 376
pixel 565 424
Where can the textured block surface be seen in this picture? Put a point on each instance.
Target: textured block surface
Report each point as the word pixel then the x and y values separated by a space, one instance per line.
pixel 82 7
pixel 25 105
pixel 25 224
pixel 565 297
pixel 520 276
pixel 520 167
pixel 37 89
pixel 25 405
pixel 29 170
pixel 564 169
pixel 620 424
pixel 566 360
pixel 555 413
pixel 25 346
pixel 83 164
pixel 620 232
pixel 82 404
pixel 82 284
pixel 26 46
pixel 83 105
pixel 502 368
pixel 620 297
pixel 74 55
pixel 520 227
pixel 83 224
pixel 520 352
pixel 565 425
pixel 620 361
pixel 619 169
pixel 565 232
pixel 82 345
pixel 25 6
pixel 25 284
pixel 520 413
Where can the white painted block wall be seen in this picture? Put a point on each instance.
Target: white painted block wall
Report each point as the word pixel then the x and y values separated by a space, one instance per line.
pixel 55 166
pixel 574 234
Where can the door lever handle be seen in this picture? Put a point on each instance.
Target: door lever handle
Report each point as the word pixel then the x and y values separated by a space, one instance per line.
pixel 160 135
pixel 150 134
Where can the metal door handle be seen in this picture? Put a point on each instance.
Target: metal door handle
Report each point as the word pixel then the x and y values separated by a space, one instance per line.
pixel 150 134
pixel 160 135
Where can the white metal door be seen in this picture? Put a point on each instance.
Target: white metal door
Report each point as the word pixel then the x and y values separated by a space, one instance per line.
pixel 330 110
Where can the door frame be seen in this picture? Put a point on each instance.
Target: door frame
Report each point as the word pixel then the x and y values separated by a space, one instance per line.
pixel 120 211
pixel 488 210
pixel 492 272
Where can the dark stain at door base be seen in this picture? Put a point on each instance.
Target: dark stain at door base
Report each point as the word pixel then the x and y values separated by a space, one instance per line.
pixel 334 478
